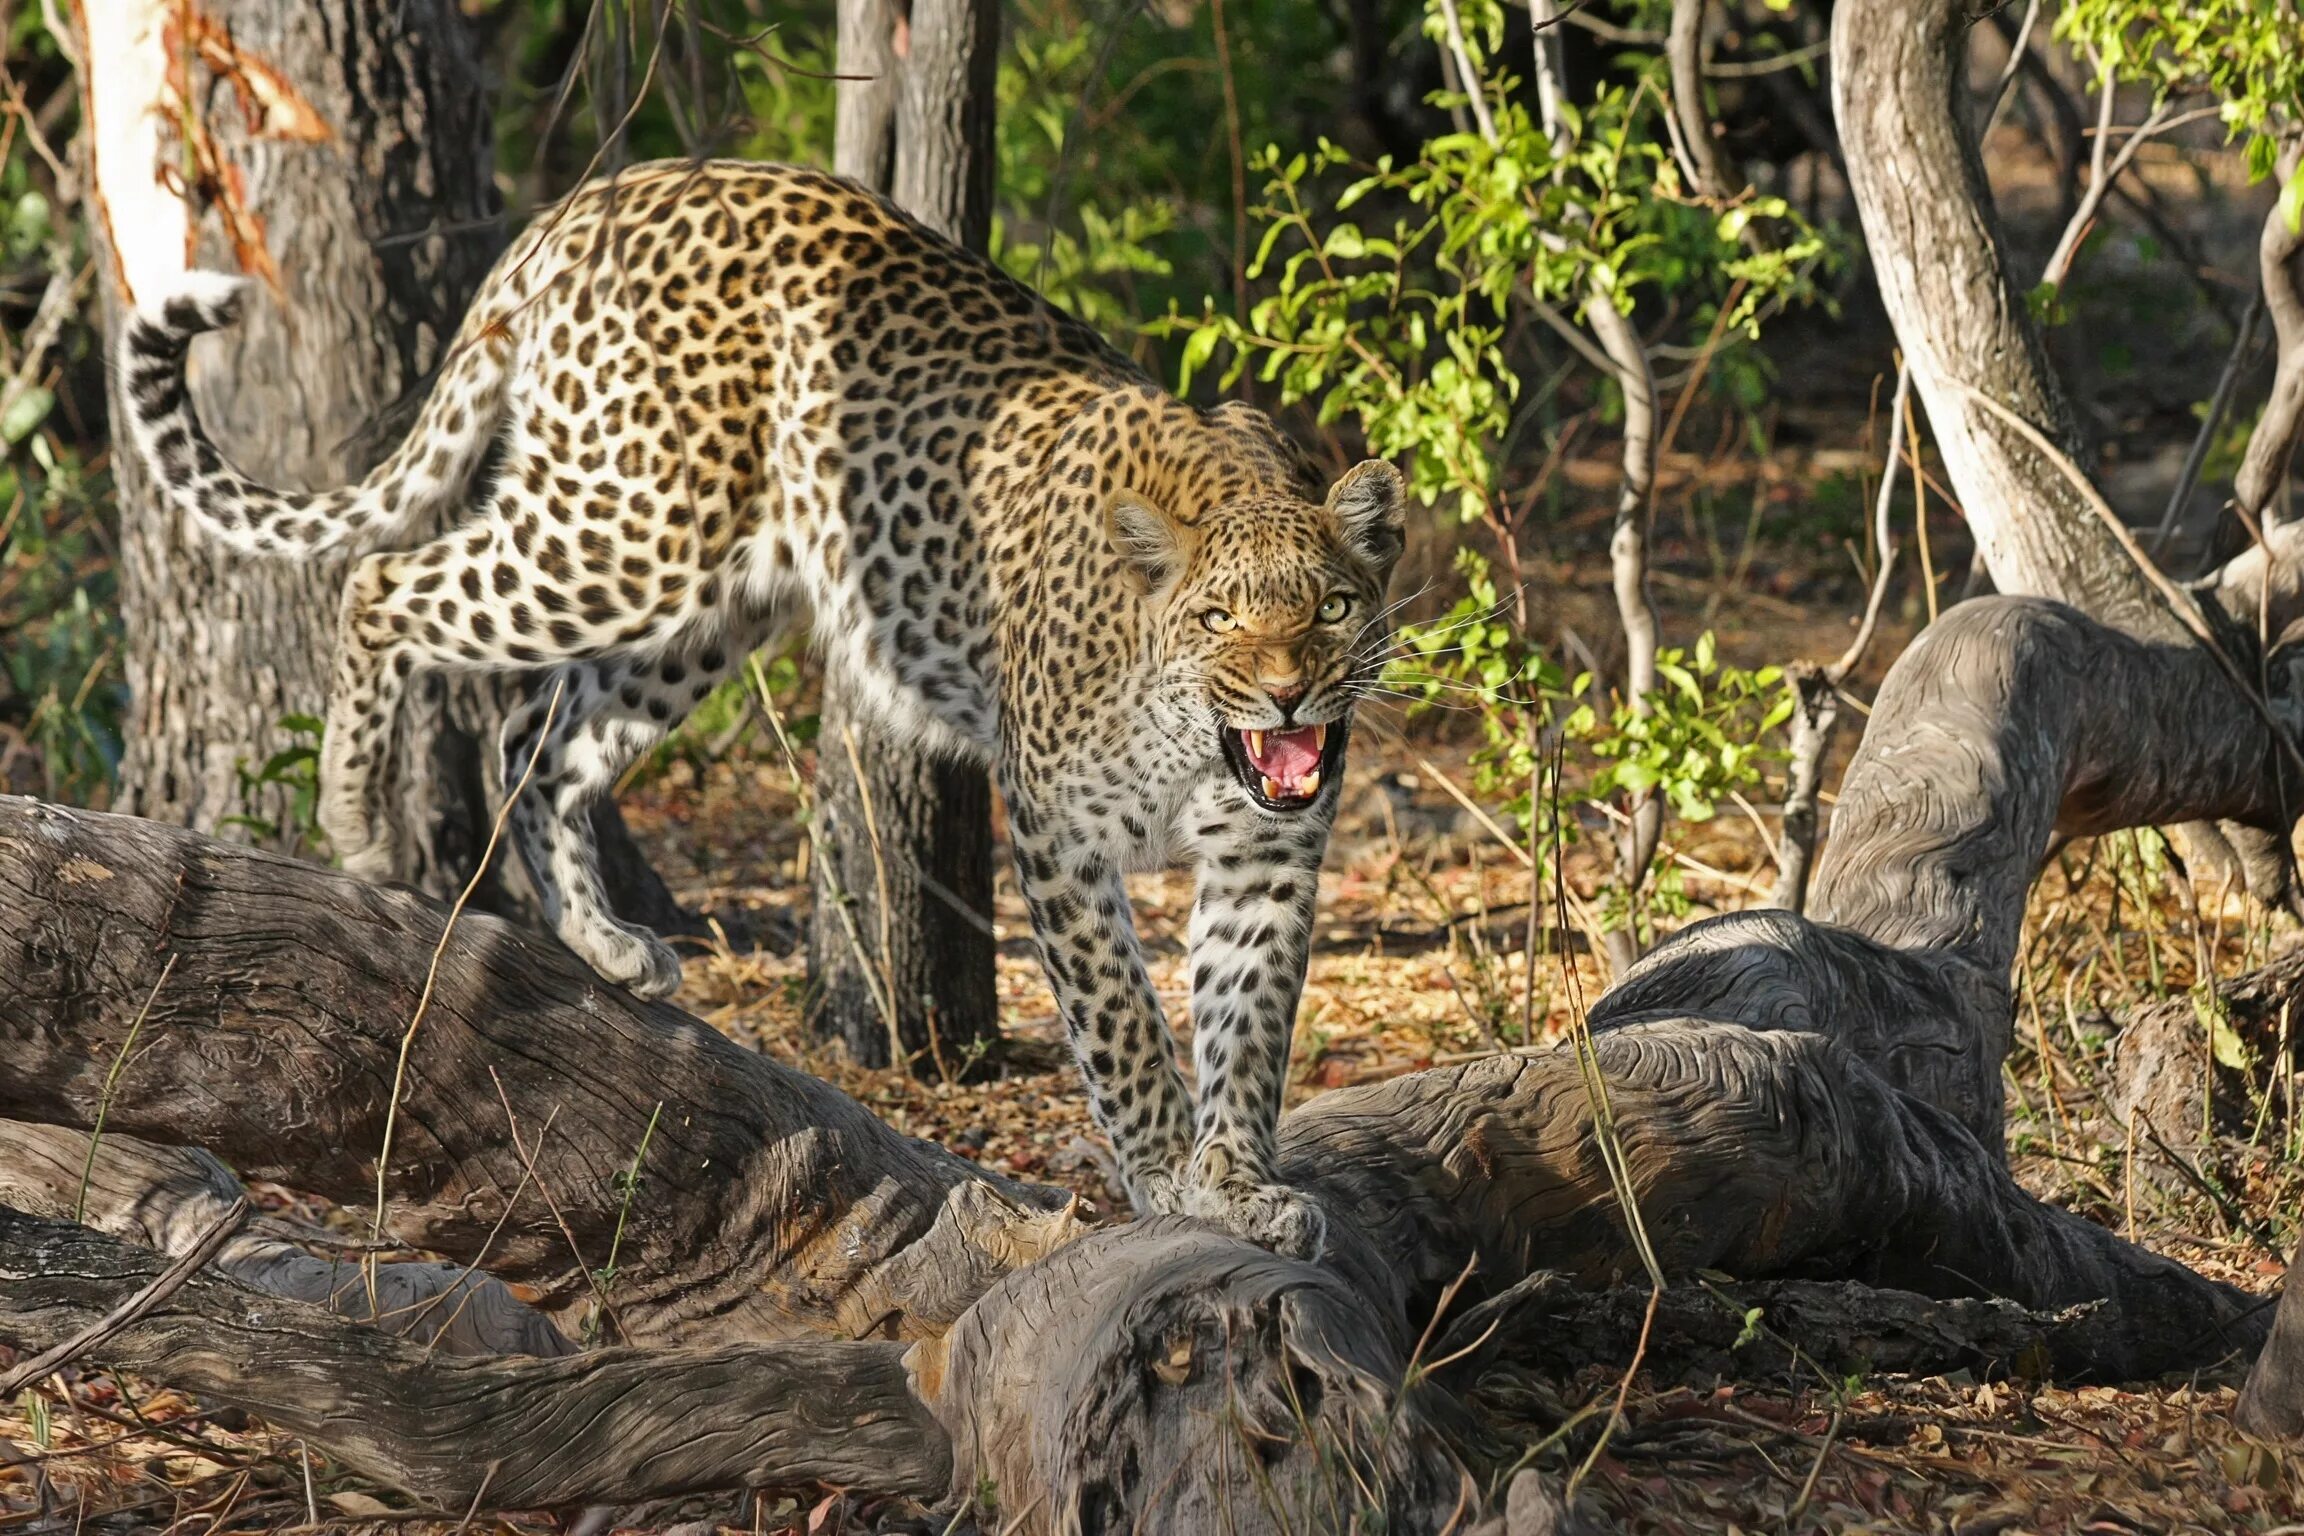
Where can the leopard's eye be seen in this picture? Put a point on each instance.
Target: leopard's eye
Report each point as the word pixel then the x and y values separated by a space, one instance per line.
pixel 1219 621
pixel 1334 607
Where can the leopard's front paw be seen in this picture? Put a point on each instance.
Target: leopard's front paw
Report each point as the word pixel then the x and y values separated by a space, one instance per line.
pixel 1158 1192
pixel 1275 1216
pixel 630 956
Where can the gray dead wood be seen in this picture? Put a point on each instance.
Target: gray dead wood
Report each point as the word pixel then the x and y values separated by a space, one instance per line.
pixel 1797 1099
pixel 165 1197
pixel 770 1203
pixel 1711 1331
pixel 617 1425
pixel 1793 1095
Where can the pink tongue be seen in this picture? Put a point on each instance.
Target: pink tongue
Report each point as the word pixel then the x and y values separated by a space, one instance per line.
pixel 1290 755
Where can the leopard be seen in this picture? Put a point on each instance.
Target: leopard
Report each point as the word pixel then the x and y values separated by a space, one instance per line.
pixel 698 406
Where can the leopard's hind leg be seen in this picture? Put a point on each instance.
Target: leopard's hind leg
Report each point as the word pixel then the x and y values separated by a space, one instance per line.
pixel 602 715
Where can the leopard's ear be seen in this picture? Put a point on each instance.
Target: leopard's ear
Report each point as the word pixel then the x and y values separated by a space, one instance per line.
pixel 1150 543
pixel 1370 505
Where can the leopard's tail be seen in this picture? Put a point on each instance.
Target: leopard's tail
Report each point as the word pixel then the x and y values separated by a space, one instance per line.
pixel 430 470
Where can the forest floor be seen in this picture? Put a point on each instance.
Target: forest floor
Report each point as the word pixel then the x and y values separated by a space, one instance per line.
pixel 1422 956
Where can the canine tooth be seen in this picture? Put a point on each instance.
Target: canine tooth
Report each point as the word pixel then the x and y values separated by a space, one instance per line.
pixel 1319 740
pixel 1271 787
pixel 1311 783
pixel 1255 743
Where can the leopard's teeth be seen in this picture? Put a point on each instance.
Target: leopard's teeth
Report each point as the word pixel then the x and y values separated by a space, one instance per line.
pixel 1311 783
pixel 1256 745
pixel 1319 743
pixel 1271 787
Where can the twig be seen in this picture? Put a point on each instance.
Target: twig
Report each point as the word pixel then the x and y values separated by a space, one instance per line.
pixel 886 996
pixel 1920 507
pixel 1462 53
pixel 2005 86
pixel 487 1476
pixel 1883 532
pixel 2103 172
pixel 2218 403
pixel 528 1161
pixel 1808 1488
pixel 1623 1391
pixel 1746 69
pixel 40 336
pixel 162 1286
pixel 112 1081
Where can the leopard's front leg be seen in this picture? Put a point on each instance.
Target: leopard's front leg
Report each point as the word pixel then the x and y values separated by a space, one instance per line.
pixel 1251 942
pixel 1119 1036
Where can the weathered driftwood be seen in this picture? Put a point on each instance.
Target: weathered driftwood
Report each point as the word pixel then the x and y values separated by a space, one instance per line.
pixel 1795 1099
pixel 773 1204
pixel 164 1198
pixel 1710 1331
pixel 616 1424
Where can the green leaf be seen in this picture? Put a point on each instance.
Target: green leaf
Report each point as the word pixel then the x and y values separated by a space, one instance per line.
pixel 2263 156
pixel 2292 201
pixel 25 414
pixel 1199 347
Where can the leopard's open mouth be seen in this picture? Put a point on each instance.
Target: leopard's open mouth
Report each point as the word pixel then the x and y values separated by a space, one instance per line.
pixel 1286 770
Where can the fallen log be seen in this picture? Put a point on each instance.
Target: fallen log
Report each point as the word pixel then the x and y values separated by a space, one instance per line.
pixel 1795 1099
pixel 612 1425
pixel 165 1197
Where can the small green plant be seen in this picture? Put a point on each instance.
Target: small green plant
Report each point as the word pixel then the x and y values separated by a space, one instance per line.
pixel 626 1183
pixel 1703 739
pixel 1707 734
pixel 293 771
pixel 35 1411
pixel 60 679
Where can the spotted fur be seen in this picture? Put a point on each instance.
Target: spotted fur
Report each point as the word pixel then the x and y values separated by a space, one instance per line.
pixel 731 396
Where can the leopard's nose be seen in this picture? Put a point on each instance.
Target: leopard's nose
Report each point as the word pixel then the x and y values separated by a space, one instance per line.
pixel 1285 694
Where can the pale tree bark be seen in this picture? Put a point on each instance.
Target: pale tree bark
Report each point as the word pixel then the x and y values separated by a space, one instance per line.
pixel 1622 354
pixel 900 955
pixel 1938 254
pixel 342 152
pixel 2259 487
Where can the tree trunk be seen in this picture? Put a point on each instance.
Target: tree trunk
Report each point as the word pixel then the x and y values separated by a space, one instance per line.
pixel 367 202
pixel 1899 87
pixel 344 154
pixel 900 956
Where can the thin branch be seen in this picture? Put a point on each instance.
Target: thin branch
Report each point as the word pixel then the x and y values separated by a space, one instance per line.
pixel 1883 532
pixel 2218 403
pixel 2103 172
pixel 1684 51
pixel 162 1286
pixel 1458 49
pixel 1747 69
pixel 2005 87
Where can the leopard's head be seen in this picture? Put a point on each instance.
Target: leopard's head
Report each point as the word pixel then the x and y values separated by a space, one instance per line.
pixel 1269 618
